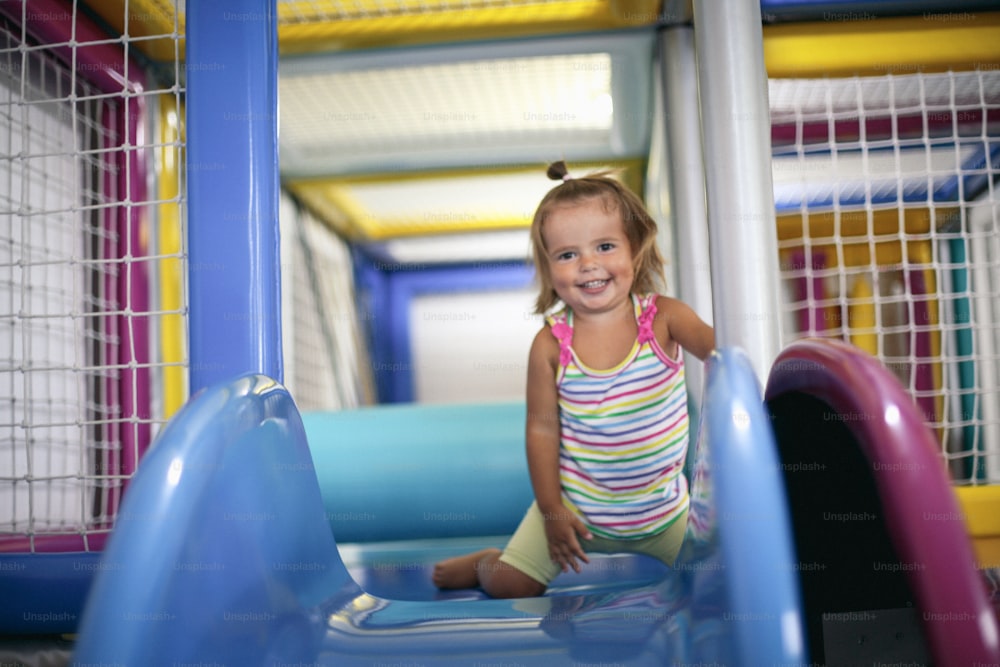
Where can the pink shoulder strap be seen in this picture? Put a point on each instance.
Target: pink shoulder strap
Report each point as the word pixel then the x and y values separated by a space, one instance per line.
pixel 563 332
pixel 647 314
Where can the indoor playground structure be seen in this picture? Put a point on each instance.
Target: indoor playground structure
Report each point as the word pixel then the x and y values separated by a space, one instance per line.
pixel 241 419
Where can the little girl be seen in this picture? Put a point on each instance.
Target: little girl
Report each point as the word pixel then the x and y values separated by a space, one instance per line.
pixel 607 422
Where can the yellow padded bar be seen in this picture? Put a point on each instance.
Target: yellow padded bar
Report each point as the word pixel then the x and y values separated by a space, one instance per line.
pixel 333 200
pixel 981 511
pixel 171 278
pixel 150 24
pixel 306 27
pixel 879 46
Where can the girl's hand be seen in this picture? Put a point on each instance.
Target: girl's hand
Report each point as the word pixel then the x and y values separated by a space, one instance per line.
pixel 561 530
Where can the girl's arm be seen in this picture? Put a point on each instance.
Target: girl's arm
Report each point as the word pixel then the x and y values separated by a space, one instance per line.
pixel 685 327
pixel 542 442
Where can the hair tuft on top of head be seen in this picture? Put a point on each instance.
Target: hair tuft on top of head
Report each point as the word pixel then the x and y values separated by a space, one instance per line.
pixel 557 171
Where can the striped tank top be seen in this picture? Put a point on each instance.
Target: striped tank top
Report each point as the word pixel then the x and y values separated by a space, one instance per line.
pixel 624 433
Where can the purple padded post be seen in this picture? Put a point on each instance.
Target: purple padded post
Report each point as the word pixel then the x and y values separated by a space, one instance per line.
pixel 922 513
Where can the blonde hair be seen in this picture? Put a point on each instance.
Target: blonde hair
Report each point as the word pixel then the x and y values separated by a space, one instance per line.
pixel 640 228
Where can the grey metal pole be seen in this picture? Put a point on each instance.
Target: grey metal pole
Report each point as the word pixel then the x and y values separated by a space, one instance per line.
pixel 736 140
pixel 686 175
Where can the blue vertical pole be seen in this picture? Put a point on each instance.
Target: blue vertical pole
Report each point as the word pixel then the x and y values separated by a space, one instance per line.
pixel 234 277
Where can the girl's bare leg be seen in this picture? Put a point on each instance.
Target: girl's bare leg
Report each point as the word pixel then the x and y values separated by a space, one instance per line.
pixel 460 571
pixel 484 568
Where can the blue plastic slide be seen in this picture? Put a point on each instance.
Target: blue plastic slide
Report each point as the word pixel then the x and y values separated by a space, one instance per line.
pixel 242 542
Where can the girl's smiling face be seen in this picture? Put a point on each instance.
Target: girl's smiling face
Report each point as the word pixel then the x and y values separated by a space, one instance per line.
pixel 589 256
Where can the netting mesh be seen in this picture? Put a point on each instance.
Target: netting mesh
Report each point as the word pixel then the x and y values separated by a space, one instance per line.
pixel 326 360
pixel 79 315
pixel 887 225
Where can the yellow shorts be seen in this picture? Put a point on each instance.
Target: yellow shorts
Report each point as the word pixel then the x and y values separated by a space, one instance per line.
pixel 528 548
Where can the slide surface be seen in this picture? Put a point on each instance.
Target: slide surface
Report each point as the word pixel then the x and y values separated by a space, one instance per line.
pixel 225 549
pixel 224 552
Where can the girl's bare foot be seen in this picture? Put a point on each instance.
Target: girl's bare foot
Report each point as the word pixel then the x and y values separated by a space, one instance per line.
pixel 460 571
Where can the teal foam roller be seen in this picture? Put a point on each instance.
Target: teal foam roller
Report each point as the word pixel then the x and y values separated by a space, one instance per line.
pixel 399 472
